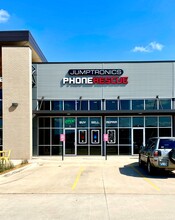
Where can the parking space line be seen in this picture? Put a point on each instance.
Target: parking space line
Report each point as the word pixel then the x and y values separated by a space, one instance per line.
pixel 145 178
pixel 77 178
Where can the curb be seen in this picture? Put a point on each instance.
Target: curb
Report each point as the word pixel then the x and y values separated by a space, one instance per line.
pixel 29 166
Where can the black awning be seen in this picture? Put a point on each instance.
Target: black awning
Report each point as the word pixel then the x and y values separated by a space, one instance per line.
pixel 103 113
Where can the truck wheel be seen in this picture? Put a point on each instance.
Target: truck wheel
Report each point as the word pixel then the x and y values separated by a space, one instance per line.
pixel 150 168
pixel 140 162
pixel 172 156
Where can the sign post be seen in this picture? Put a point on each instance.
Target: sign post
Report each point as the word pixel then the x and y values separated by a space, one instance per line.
pixel 62 139
pixel 105 138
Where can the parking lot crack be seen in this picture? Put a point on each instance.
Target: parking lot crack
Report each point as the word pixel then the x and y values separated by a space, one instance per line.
pixel 104 189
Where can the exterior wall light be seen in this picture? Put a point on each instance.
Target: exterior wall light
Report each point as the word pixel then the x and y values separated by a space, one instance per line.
pixel 14 104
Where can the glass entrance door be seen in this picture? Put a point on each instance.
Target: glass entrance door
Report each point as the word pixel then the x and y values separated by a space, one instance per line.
pixel 138 139
pixel 70 141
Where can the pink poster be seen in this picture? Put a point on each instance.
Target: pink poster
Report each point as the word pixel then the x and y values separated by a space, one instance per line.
pixel 105 137
pixel 62 137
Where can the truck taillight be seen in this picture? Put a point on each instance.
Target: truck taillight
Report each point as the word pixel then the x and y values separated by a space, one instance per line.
pixel 157 153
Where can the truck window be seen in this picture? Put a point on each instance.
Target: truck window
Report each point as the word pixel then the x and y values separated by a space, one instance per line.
pixel 167 144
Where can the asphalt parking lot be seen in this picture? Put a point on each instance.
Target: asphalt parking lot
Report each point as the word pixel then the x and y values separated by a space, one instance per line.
pixel 86 188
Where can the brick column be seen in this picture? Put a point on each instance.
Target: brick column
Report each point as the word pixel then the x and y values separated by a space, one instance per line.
pixel 17 101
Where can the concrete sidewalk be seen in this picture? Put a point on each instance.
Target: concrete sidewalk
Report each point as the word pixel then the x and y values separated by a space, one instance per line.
pixel 85 159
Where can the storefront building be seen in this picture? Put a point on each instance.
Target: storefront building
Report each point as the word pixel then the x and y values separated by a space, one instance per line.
pixel 128 101
pixel 85 108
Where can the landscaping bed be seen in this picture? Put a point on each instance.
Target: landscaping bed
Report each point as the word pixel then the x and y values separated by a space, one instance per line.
pixel 7 167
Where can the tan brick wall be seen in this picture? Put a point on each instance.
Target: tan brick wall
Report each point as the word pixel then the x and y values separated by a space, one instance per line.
pixel 17 88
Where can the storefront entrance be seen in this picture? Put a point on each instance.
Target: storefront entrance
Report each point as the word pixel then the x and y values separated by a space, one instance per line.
pixel 70 148
pixel 84 134
pixel 82 141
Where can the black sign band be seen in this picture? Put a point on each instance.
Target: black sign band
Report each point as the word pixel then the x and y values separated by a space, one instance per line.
pixel 95 72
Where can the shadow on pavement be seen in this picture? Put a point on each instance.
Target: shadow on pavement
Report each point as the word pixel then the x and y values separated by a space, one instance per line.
pixel 134 170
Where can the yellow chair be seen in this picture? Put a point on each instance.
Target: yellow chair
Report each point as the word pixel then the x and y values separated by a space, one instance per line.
pixel 5 155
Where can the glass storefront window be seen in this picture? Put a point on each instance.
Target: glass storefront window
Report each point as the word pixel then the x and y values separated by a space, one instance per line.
pixel 44 136
pixel 124 104
pixel 56 136
pixel 165 104
pixel 124 136
pixel 151 121
pixel 57 105
pixel 138 122
pixel 0 107
pixel 95 105
pixel 95 122
pixel 150 104
pixel 112 136
pixel 89 134
pixel 95 136
pixel 44 122
pixel 1 139
pixel 44 105
pixel 137 104
pixel 82 150
pixel 82 122
pixel 69 122
pixel 112 150
pixel 69 105
pixel 82 136
pixel 125 150
pixel 44 150
pixel 125 122
pixel 82 105
pixel 165 121
pixel 56 150
pixel 164 132
pixel 0 122
pixel 150 132
pixel 95 150
pixel 111 121
pixel 57 122
pixel 111 105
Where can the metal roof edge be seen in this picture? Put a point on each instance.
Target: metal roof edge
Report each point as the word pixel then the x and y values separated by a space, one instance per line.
pixel 21 36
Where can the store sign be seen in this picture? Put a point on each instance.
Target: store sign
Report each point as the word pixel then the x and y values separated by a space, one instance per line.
pixel 111 122
pixel 90 72
pixel 69 122
pixel 95 122
pixel 82 123
pixel 82 136
pixel 112 136
pixel 105 137
pixel 95 76
pixel 62 137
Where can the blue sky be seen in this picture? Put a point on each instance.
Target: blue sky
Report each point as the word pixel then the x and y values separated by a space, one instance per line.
pixel 96 30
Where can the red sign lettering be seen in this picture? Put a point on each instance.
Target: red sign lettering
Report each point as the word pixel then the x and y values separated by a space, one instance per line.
pixel 110 80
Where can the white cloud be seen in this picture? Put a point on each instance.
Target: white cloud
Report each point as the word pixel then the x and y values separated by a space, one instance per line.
pixel 4 16
pixel 156 46
pixel 149 48
pixel 140 49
